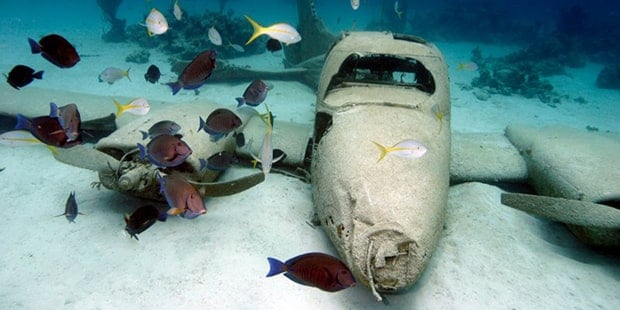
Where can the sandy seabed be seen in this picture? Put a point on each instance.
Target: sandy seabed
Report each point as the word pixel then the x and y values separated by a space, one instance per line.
pixel 490 256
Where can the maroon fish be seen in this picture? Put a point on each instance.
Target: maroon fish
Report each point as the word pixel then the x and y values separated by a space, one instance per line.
pixel 314 269
pixel 56 50
pixel 47 130
pixel 181 196
pixel 274 45
pixel 69 119
pixel 165 150
pixel 21 76
pixel 196 73
pixel 254 95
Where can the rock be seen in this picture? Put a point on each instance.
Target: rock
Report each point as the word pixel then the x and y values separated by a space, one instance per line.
pixel 609 77
pixel 481 94
pixel 139 57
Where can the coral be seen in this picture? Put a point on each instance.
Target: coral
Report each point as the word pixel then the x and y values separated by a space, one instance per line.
pixel 188 37
pixel 117 29
pixel 139 57
pixel 514 74
pixel 609 77
pixel 316 38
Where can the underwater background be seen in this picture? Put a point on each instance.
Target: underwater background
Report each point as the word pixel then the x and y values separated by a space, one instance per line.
pixel 527 62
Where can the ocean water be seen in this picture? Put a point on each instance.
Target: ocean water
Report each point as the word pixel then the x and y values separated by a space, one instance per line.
pixel 530 62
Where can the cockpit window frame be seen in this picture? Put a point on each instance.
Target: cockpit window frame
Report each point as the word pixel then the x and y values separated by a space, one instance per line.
pixel 381 69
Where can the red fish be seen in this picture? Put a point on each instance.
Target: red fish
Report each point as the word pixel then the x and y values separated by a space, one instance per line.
pixel 314 269
pixel 21 76
pixel 196 73
pixel 165 150
pixel 56 50
pixel 61 128
pixel 181 196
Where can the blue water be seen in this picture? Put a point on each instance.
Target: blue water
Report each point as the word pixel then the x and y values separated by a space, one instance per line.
pixel 88 265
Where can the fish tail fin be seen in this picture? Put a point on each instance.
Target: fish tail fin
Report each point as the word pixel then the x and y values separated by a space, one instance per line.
pixel 120 109
pixel 144 134
pixel 126 73
pixel 23 122
pixel 142 150
pixel 240 101
pixel 175 87
pixel 384 150
pixel 203 164
pixel 258 29
pixel 275 267
pixel 202 123
pixel 35 48
pixel 38 75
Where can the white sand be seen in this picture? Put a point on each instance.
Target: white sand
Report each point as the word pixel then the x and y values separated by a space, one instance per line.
pixel 490 256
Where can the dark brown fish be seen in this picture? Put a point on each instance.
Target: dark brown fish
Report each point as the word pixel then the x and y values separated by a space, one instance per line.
pixel 47 130
pixel 196 73
pixel 220 123
pixel 219 161
pixel 71 208
pixel 56 50
pixel 21 76
pixel 274 45
pixel 165 150
pixel 314 269
pixel 152 74
pixel 254 94
pixel 143 218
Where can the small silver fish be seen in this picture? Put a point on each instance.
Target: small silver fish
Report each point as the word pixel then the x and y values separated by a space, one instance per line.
pixel 112 74
pixel 237 47
pixel 214 36
pixel 71 208
pixel 176 10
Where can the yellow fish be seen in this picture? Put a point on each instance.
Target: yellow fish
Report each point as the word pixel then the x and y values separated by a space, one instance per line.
pixel 439 114
pixel 17 138
pixel 281 31
pixel 467 66
pixel 266 156
pixel 138 106
pixel 156 23
pixel 406 148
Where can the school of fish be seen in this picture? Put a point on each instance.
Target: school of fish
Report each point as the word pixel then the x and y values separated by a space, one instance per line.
pixel 162 144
